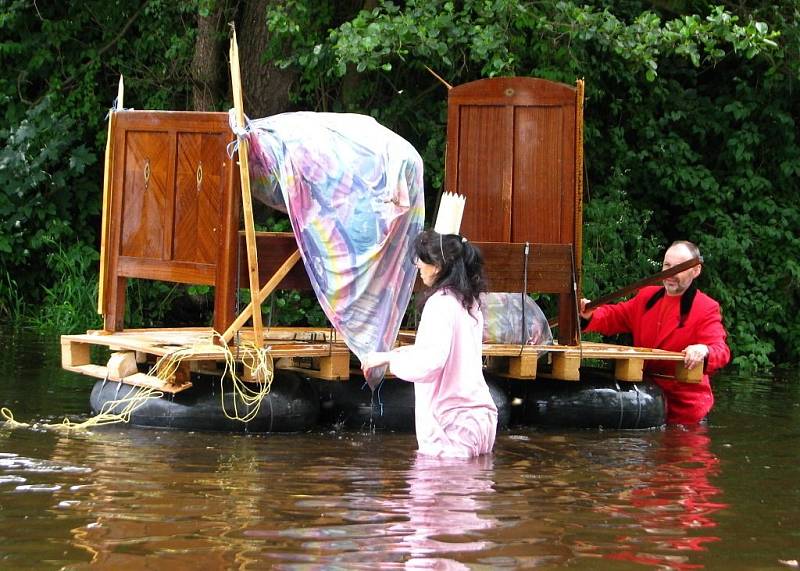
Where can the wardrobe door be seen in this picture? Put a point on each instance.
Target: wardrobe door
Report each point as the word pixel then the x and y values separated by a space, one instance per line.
pixel 199 193
pixel 544 202
pixel 511 150
pixel 146 193
pixel 481 169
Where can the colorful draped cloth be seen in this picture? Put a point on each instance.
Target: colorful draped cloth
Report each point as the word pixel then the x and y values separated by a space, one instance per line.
pixel 354 195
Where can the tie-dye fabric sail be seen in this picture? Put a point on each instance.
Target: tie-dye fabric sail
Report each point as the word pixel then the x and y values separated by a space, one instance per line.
pixel 354 194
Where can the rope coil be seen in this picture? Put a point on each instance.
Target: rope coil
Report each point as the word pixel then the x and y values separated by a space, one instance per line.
pixel 257 359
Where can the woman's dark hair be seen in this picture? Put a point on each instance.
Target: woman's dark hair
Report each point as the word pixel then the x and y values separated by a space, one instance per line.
pixel 460 266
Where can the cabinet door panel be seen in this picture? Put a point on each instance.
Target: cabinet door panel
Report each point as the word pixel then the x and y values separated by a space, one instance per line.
pixel 199 190
pixel 544 186
pixel 486 182
pixel 511 149
pixel 146 190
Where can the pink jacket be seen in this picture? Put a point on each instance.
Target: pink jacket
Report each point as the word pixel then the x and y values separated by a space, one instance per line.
pixel 455 415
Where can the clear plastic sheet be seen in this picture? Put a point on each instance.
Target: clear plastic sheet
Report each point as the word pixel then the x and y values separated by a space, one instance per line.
pixel 503 320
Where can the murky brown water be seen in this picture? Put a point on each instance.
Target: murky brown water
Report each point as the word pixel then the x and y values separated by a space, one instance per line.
pixel 723 496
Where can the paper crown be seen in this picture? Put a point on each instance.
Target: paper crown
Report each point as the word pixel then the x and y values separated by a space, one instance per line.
pixel 451 209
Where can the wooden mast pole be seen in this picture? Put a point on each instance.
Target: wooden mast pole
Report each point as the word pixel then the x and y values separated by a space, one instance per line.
pixel 247 200
pixel 106 213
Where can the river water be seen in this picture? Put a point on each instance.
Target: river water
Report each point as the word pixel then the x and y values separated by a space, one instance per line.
pixel 720 496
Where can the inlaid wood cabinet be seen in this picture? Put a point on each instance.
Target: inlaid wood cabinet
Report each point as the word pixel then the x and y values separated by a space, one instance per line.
pixel 174 206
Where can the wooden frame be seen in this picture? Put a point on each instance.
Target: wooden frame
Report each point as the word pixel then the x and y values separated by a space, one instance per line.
pixel 515 150
pixel 155 232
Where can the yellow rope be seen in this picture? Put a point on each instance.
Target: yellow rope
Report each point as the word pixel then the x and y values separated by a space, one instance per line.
pixel 257 359
pixel 10 422
pixel 129 403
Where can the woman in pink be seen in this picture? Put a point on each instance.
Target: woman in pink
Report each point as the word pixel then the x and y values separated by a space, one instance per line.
pixel 455 415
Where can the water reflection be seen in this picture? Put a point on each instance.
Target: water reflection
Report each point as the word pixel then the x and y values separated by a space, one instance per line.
pixel 673 504
pixel 722 496
pixel 447 500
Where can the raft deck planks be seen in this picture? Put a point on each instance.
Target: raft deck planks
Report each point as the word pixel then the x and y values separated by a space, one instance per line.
pixel 522 361
pixel 193 346
pixel 321 354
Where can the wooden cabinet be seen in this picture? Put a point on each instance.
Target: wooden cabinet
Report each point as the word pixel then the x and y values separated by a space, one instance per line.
pixel 174 206
pixel 514 150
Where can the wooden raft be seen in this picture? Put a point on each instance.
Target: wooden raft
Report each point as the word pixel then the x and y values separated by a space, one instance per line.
pixel 314 352
pixel 523 361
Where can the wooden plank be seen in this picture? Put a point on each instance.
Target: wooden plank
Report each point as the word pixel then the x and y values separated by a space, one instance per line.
pixel 106 211
pixel 688 375
pixel 336 366
pixel 549 267
pixel 74 354
pixel 315 373
pixel 137 379
pixel 226 283
pixel 566 366
pixel 208 352
pixel 628 369
pixel 579 95
pixel 122 364
pixel 169 342
pixel 500 350
pixel 602 351
pixel 173 271
pixel 178 121
pixel 524 366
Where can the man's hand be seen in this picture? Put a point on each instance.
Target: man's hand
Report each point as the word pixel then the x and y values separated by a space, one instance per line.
pixel 694 355
pixel 586 314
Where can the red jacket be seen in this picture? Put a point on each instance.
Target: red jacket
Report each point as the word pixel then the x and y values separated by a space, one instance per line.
pixel 658 327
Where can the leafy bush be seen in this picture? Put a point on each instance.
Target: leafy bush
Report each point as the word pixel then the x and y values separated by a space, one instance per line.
pixel 690 126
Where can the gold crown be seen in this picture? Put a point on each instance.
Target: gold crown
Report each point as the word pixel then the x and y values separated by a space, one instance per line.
pixel 451 210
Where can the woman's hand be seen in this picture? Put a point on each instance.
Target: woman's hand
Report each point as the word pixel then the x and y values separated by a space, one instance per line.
pixel 374 359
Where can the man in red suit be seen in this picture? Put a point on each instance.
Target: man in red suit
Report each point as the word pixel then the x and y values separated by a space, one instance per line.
pixel 674 317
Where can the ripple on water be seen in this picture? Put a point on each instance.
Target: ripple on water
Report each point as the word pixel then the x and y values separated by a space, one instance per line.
pixel 17 463
pixel 38 488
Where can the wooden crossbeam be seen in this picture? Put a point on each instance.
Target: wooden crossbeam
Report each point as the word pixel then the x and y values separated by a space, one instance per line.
pixel 258 299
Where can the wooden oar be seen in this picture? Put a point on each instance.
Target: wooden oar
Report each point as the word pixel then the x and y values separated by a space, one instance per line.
pixel 637 285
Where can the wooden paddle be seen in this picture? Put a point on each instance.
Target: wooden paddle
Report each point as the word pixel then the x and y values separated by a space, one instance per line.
pixel 637 285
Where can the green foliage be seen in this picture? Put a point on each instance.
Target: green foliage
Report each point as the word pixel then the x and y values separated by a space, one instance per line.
pixel 616 249
pixel 44 193
pixel 690 126
pixel 153 304
pixel 290 307
pixel 70 305
pixel 60 65
pixel 12 304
